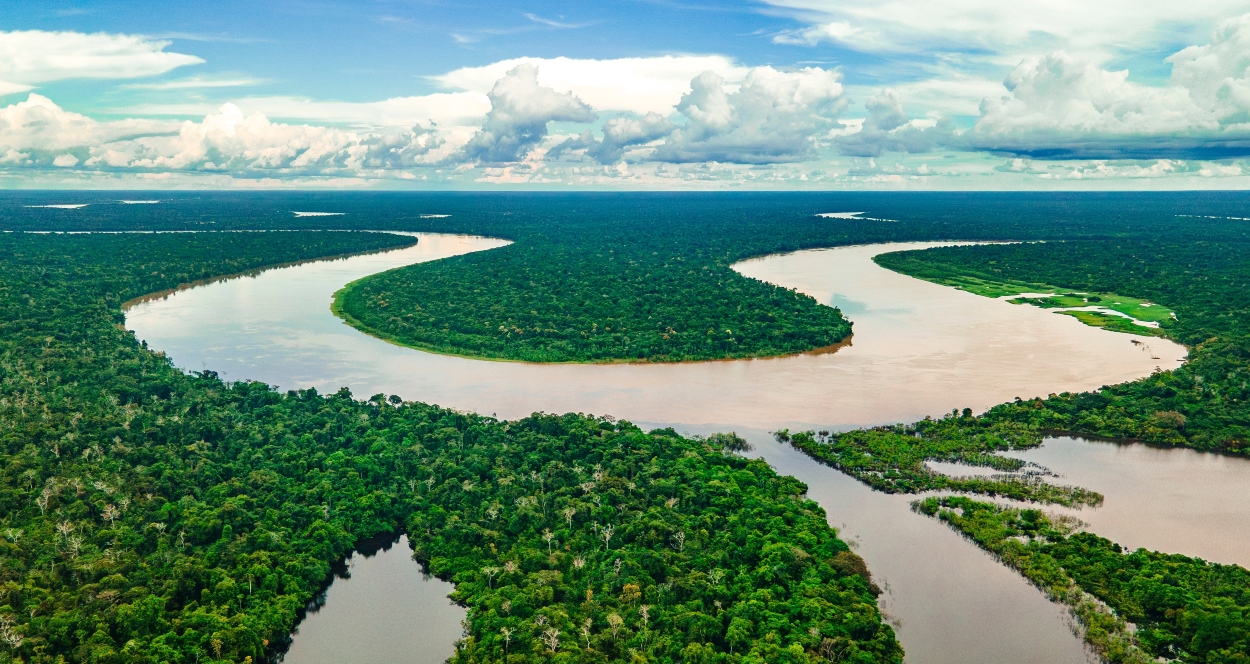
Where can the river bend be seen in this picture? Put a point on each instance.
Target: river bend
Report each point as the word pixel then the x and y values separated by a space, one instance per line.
pixel 918 349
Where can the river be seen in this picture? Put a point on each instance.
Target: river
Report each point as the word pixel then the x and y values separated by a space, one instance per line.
pixel 413 623
pixel 919 349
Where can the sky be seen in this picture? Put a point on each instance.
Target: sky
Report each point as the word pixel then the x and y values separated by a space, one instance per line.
pixel 626 94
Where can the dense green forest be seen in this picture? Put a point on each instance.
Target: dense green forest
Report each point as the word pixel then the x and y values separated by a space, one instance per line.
pixel 1181 608
pixel 154 516
pixel 553 303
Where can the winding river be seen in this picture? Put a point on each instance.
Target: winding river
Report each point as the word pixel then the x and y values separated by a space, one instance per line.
pixel 919 349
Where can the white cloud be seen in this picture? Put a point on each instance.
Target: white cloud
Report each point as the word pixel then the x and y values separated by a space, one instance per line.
pixel 1089 29
pixel 1217 75
pixel 636 85
pixel 196 83
pixel 520 110
pixel 39 124
pixel 948 92
pixel 7 88
pixel 38 133
pixel 37 56
pixel 619 134
pixel 448 110
pixel 1063 107
pixel 888 128
pixel 1059 105
pixel 232 141
pixel 774 116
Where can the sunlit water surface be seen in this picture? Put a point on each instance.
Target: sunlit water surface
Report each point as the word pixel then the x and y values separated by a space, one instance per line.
pixel 919 349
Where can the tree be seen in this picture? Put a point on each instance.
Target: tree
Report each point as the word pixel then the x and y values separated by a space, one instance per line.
pixel 739 632
pixel 551 637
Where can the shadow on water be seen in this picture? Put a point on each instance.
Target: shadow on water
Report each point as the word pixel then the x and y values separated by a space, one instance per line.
pixel 379 608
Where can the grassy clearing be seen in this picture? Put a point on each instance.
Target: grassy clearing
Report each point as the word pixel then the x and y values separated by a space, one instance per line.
pixel 984 287
pixel 1112 322
pixel 1136 308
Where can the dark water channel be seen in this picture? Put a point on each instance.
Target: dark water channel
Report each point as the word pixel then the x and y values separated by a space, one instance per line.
pixel 919 349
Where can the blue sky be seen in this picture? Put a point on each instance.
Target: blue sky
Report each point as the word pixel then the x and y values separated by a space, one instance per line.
pixel 671 94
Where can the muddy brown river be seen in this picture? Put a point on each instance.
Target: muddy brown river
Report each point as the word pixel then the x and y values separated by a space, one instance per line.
pixel 918 349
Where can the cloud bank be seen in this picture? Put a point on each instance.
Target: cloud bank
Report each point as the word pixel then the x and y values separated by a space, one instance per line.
pixel 1001 31
pixel 1055 114
pixel 29 57
pixel 1060 106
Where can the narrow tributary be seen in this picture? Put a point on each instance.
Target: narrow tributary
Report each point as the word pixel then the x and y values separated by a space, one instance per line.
pixel 919 349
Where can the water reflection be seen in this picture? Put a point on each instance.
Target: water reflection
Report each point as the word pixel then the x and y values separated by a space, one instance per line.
pixel 386 612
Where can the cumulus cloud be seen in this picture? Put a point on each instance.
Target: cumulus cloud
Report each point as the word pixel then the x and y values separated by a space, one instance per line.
pixel 232 141
pixel 619 134
pixel 774 116
pixel 888 129
pixel 1062 107
pixel 520 112
pixel 1217 75
pixel 36 56
pixel 636 85
pixel 1059 106
pixel 38 133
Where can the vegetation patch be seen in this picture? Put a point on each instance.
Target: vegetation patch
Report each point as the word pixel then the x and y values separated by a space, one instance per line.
pixel 892 458
pixel 1136 606
pixel 1112 322
pixel 1134 308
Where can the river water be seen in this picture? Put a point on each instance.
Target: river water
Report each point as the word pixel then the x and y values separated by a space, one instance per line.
pixel 919 349
pixel 385 611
